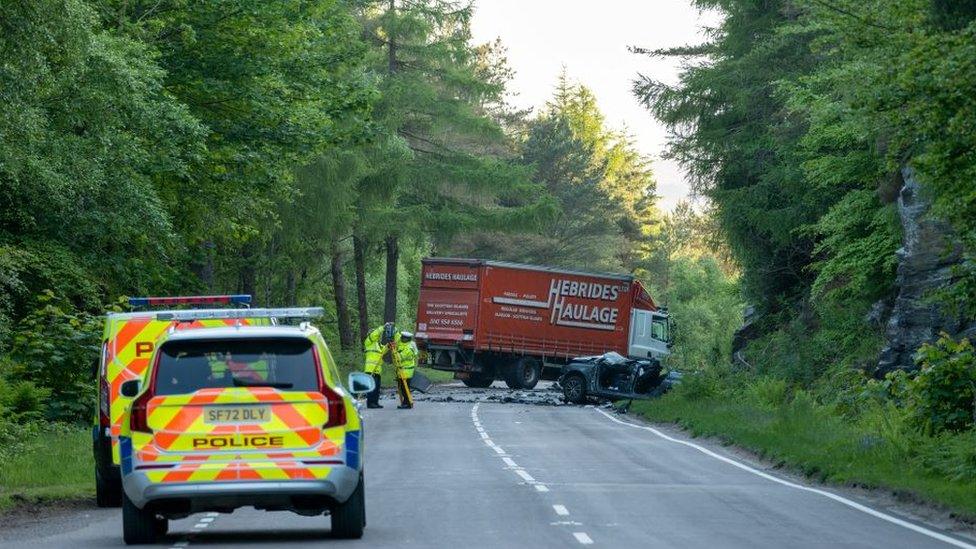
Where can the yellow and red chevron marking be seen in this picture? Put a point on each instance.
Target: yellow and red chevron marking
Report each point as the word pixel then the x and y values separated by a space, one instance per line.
pixel 296 419
pixel 129 345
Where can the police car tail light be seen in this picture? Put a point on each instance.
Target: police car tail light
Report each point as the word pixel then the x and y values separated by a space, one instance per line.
pixel 139 413
pixel 103 404
pixel 334 404
pixel 104 400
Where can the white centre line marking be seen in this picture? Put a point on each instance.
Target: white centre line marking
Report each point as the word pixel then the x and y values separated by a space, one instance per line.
pixel 213 514
pixel 498 450
pixel 508 461
pixel 207 519
pixel 853 504
pixel 201 525
pixel 583 538
pixel 561 510
pixel 525 476
pixel 541 488
pixel 484 435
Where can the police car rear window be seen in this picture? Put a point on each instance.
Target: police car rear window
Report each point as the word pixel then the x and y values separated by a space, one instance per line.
pixel 187 366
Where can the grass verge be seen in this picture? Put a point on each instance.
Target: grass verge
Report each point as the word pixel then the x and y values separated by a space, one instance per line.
pixel 801 434
pixel 53 464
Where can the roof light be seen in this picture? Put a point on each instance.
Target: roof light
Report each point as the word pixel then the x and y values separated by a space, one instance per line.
pixel 230 314
pixel 189 300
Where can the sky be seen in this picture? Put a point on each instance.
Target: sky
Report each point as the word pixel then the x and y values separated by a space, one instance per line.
pixel 590 40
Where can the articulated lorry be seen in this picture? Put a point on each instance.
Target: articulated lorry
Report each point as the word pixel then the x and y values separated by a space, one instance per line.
pixel 488 320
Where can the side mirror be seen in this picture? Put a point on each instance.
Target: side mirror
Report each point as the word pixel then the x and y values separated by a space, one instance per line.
pixel 130 388
pixel 360 383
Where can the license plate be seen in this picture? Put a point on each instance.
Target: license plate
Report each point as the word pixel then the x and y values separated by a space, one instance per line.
pixel 233 415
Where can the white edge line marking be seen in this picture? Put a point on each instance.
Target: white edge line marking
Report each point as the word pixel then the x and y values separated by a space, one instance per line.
pixel 508 461
pixel 560 510
pixel 582 538
pixel 840 499
pixel 525 476
pixel 541 488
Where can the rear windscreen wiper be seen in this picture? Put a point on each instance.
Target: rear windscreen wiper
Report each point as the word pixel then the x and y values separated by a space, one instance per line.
pixel 240 382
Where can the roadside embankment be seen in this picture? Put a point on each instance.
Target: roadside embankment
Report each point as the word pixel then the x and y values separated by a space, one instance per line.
pixel 45 462
pixel 875 449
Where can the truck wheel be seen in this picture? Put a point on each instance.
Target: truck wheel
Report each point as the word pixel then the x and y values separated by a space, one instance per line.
pixel 139 525
pixel 349 518
pixel 478 381
pixel 524 374
pixel 107 492
pixel 574 388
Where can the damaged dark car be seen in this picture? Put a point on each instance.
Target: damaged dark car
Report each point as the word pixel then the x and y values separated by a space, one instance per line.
pixel 614 377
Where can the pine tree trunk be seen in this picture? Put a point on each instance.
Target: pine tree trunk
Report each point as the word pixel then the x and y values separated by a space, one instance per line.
pixel 248 270
pixel 359 258
pixel 392 260
pixel 291 289
pixel 342 306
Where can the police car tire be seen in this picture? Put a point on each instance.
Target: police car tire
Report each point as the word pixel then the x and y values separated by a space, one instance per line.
pixel 138 525
pixel 349 518
pixel 107 493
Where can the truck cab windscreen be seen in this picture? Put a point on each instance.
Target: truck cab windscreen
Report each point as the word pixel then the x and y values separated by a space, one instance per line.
pixel 187 366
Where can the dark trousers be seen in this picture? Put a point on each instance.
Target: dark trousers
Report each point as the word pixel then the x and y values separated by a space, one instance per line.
pixel 373 397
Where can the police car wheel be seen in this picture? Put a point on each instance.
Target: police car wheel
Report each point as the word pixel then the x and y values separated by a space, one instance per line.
pixel 349 518
pixel 107 493
pixel 138 525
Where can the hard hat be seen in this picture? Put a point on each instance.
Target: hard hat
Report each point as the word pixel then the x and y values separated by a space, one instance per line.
pixel 388 330
pixel 406 336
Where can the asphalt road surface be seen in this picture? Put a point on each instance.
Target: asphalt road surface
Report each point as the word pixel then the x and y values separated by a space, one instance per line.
pixel 488 474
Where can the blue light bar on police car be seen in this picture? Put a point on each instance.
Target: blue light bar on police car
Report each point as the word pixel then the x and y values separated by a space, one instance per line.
pixel 231 314
pixel 241 299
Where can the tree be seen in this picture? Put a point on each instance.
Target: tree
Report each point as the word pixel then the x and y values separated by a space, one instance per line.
pixel 441 168
pixel 603 188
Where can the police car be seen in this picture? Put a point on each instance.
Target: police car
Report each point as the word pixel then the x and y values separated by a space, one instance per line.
pixel 128 341
pixel 239 416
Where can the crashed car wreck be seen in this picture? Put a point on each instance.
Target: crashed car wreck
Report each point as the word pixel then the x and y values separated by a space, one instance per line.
pixel 614 377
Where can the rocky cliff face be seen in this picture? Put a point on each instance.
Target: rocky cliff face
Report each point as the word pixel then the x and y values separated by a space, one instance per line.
pixel 925 264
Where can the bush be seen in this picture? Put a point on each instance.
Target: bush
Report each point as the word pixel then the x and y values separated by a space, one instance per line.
pixel 952 456
pixel 22 401
pixel 55 348
pixel 768 392
pixel 943 394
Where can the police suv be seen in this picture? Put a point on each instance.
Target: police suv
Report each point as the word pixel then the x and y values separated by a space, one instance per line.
pixel 238 416
pixel 128 341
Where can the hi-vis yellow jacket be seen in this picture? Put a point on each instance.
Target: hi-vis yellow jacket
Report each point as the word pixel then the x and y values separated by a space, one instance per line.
pixel 406 351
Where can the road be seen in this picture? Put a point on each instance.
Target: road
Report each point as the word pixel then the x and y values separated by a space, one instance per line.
pixel 488 474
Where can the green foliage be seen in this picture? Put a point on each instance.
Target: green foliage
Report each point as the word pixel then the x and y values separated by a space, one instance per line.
pixel 22 401
pixel 602 188
pixel 858 239
pixel 878 446
pixel 40 462
pixel 55 349
pixel 707 308
pixel 943 394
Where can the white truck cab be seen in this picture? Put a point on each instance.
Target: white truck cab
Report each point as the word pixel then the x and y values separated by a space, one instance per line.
pixel 650 334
